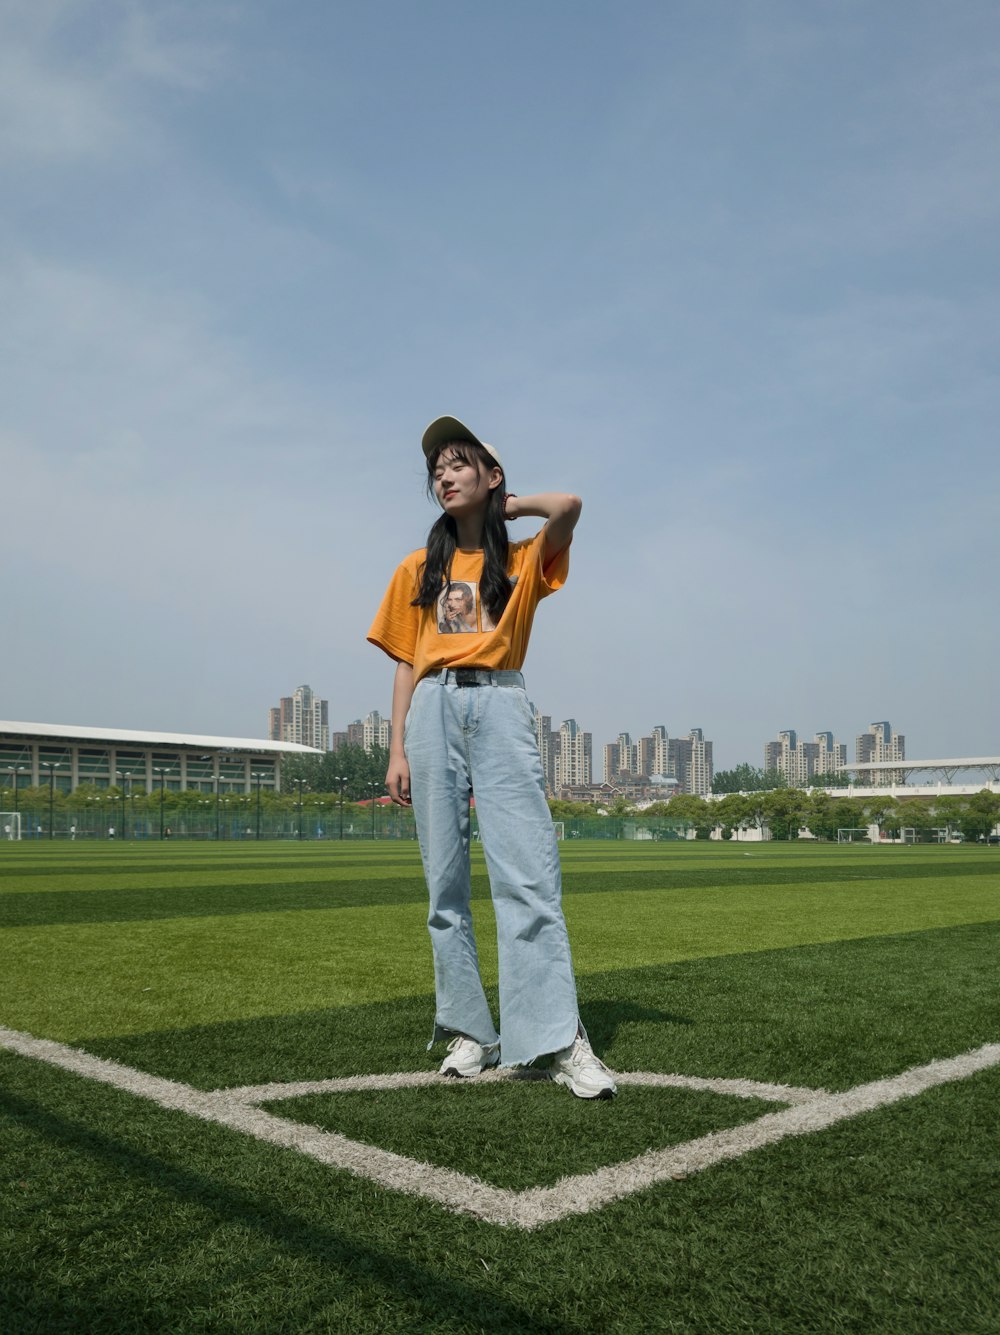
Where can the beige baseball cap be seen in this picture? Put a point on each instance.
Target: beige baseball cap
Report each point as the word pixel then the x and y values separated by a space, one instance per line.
pixel 443 430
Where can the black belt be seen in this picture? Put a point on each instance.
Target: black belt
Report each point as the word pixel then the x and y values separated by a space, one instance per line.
pixel 478 676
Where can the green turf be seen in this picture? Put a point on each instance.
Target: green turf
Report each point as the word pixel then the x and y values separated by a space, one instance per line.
pixel 821 966
pixel 259 938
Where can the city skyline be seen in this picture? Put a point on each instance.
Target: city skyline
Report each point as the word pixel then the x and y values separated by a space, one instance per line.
pixel 669 756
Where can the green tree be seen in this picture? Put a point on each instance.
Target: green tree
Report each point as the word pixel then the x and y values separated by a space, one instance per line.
pixel 881 810
pixel 785 811
pixel 980 813
pixel 694 810
pixel 733 812
pixel 746 779
pixel 839 779
pixel 821 814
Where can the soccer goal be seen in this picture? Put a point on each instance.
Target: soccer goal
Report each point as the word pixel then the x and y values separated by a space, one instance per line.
pixel 10 824
pixel 853 836
pixel 560 828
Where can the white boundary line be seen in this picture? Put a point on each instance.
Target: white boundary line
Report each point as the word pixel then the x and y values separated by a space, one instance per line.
pixel 810 1111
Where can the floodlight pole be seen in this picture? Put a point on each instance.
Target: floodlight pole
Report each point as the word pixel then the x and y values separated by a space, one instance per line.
pixel 342 780
pixel 51 766
pixel 14 772
pixel 126 775
pixel 372 786
pixel 258 777
pixel 163 783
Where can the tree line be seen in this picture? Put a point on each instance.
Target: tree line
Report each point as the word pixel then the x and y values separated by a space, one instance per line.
pixel 786 811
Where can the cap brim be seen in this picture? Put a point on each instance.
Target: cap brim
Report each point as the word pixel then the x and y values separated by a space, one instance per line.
pixel 443 430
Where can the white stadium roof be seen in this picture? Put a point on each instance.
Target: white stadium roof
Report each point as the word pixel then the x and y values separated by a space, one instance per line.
pixel 991 765
pixel 129 737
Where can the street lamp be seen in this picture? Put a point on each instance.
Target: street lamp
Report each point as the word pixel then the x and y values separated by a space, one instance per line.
pixel 342 780
pixel 300 784
pixel 259 777
pixel 217 786
pixel 51 766
pixel 162 772
pixel 124 774
pixel 14 772
pixel 373 786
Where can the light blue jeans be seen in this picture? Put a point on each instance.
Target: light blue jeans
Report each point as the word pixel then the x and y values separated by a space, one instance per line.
pixel 481 739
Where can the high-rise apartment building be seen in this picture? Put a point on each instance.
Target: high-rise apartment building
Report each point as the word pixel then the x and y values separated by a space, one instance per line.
pixel 831 755
pixel 376 731
pixel 573 764
pixel 799 761
pixel 661 756
pixel 689 761
pixel 881 745
pixel 700 768
pixel 635 759
pixel 547 748
pixel 356 733
pixel 301 717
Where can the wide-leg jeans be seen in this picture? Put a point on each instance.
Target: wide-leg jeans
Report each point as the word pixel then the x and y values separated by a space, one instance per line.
pixel 480 739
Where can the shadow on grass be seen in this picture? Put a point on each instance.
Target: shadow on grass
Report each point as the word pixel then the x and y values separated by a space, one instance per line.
pixel 603 1018
pixel 439 1298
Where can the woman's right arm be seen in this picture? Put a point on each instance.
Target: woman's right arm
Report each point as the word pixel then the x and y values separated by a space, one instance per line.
pixel 397 776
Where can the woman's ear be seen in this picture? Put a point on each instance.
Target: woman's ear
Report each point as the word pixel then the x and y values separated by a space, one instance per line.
pixel 496 478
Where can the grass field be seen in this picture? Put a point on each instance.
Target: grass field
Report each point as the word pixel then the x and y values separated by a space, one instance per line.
pixel 137 1197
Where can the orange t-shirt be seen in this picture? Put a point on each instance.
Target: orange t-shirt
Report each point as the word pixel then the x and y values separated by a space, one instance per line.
pixel 457 630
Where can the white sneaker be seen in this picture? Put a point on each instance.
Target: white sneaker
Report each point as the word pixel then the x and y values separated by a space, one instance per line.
pixel 582 1072
pixel 466 1057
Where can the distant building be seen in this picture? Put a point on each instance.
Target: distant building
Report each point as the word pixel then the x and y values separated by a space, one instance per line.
pixel 301 718
pixel 880 745
pixel 547 748
pixel 66 756
pixel 661 755
pixel 356 733
pixel 657 759
pixel 701 771
pixel 376 731
pixel 689 762
pixel 831 756
pixel 573 764
pixel 799 761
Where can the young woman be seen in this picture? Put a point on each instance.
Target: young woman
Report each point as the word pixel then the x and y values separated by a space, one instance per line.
pixel 456 619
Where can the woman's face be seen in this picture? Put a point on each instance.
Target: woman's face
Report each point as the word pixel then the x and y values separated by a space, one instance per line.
pixel 462 486
pixel 456 605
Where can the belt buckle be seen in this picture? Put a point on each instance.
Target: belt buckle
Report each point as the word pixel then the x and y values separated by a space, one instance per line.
pixel 466 677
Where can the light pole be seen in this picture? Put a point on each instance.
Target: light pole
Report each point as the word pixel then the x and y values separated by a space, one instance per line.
pixel 126 774
pixel 157 769
pixel 216 808
pixel 14 772
pixel 372 787
pixel 342 780
pixel 258 778
pixel 300 784
pixel 51 766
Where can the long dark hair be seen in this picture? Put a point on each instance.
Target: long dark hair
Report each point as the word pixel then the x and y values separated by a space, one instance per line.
pixel 435 573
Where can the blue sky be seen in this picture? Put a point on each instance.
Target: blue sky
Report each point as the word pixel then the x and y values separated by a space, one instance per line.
pixel 730 271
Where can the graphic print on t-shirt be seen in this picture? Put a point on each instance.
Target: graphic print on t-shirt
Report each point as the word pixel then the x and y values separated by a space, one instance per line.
pixel 456 608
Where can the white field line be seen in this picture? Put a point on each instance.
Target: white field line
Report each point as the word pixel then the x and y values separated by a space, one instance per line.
pixel 353 1084
pixel 467 1195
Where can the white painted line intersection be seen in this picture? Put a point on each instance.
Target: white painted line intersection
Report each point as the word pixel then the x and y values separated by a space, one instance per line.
pixel 807 1111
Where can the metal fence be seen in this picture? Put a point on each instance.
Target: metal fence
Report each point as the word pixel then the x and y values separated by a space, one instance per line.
pixel 86 825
